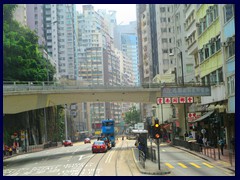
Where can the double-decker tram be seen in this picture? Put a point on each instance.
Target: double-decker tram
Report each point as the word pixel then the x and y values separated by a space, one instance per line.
pixel 108 130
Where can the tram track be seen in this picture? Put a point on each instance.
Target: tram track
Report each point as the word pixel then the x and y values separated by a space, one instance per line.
pixel 122 149
pixel 89 161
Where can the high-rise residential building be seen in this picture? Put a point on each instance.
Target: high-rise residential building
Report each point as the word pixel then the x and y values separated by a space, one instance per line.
pixel 35 21
pixel 126 73
pixel 55 24
pixel 98 63
pixel 125 39
pixel 161 29
pixel 185 73
pixel 227 14
pixel 20 14
pixel 214 65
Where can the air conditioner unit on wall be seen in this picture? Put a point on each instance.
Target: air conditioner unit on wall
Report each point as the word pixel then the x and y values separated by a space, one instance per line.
pixel 229 39
pixel 224 44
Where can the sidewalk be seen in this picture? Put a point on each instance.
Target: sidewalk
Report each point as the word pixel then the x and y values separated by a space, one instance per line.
pixel 222 162
pixel 152 167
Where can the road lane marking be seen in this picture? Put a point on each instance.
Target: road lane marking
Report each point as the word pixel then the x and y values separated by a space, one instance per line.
pixel 80 157
pixel 182 165
pixel 108 160
pixel 195 165
pixel 169 165
pixel 208 165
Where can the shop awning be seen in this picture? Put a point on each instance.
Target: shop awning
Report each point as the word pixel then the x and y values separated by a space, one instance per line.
pixel 204 116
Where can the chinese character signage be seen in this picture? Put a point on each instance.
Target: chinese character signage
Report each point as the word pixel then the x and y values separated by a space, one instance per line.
pixel 175 100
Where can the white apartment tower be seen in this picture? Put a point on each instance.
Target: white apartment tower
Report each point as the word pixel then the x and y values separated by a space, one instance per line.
pixel 55 25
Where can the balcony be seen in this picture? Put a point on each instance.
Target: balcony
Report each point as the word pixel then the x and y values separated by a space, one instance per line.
pixel 218 93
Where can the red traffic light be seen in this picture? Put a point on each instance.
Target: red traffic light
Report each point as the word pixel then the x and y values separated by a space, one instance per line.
pixel 157 136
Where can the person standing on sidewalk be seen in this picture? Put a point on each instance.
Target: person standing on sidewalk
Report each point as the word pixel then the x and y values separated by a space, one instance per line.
pixel 221 144
pixel 10 151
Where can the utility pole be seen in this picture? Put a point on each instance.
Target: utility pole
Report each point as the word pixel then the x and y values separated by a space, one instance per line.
pixel 45 124
pixel 66 133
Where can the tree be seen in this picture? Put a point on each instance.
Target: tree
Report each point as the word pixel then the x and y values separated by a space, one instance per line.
pixel 22 59
pixel 132 116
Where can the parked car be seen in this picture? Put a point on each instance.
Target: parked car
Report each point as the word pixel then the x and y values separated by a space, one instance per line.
pixel 67 143
pixel 99 146
pixel 87 140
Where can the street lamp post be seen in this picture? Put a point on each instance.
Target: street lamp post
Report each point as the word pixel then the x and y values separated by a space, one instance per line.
pixel 184 105
pixel 66 133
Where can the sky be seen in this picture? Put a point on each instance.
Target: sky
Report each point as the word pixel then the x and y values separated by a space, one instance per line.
pixel 125 12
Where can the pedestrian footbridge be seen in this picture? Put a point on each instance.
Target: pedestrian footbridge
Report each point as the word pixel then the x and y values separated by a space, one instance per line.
pixel 24 97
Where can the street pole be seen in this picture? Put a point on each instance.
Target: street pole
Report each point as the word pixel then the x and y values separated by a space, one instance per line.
pixel 158 154
pixel 162 112
pixel 184 105
pixel 66 135
pixel 45 124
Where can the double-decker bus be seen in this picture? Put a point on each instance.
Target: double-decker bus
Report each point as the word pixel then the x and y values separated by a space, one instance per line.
pixel 108 130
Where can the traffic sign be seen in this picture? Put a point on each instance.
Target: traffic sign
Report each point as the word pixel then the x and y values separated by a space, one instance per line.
pixel 175 100
pixel 167 100
pixel 159 100
pixel 182 99
pixel 189 99
pixel 140 126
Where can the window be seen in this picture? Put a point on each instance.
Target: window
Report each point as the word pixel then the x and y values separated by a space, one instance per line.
pixel 231 85
pixel 203 81
pixel 163 30
pixel 208 79
pixel 212 48
pixel 215 11
pixel 213 77
pixel 166 62
pixel 231 49
pixel 201 55
pixel 206 50
pixel 220 75
pixel 189 68
pixel 164 40
pixel 218 44
pixel 162 9
pixel 163 19
pixel 228 12
pixel 165 51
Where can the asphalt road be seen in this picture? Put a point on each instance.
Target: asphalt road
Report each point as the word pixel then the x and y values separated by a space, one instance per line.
pixel 78 160
pixel 182 163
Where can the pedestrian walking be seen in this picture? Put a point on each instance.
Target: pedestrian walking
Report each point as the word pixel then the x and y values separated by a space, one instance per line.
pixel 221 144
pixel 233 144
pixel 10 151
pixel 204 140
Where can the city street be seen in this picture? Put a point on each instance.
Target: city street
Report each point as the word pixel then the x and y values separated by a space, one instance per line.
pixel 78 160
pixel 155 87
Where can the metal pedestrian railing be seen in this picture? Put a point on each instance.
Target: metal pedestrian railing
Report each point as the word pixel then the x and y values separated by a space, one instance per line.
pixel 142 158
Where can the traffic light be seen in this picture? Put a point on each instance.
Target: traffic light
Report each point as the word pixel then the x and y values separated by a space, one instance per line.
pixel 156 129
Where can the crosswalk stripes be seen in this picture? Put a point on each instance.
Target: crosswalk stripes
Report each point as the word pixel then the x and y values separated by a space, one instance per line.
pixel 169 165
pixel 182 165
pixel 195 165
pixel 208 165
